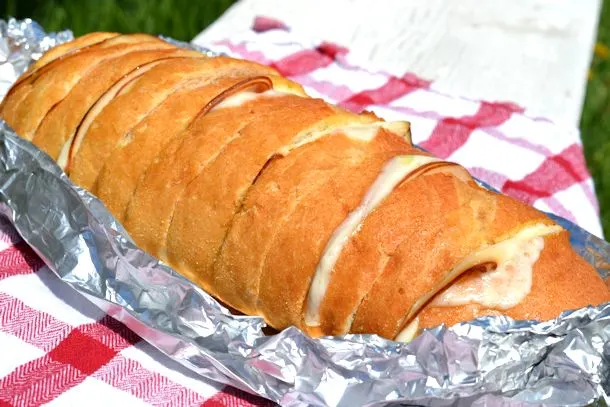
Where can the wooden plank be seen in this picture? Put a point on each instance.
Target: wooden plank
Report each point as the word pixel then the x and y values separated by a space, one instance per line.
pixel 533 52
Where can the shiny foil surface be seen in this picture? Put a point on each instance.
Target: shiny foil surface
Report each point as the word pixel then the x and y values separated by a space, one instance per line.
pixel 490 361
pixel 21 42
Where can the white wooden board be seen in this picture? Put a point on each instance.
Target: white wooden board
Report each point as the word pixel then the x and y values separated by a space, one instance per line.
pixel 533 52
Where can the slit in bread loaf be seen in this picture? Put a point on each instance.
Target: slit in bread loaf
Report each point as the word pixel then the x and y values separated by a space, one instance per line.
pixel 120 174
pixel 497 253
pixel 341 122
pixel 555 277
pixel 110 42
pixel 433 244
pixel 221 90
pixel 413 215
pixel 68 48
pixel 218 189
pixel 372 252
pixel 49 82
pixel 57 130
pixel 397 170
pixel 323 128
pixel 299 242
pixel 197 150
pixel 162 186
pixel 53 85
pixel 121 114
pixel 72 145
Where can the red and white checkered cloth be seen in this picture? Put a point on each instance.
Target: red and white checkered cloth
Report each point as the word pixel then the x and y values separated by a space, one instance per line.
pixel 527 157
pixel 57 348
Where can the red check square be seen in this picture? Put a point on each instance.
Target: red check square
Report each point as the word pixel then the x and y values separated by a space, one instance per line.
pixel 83 352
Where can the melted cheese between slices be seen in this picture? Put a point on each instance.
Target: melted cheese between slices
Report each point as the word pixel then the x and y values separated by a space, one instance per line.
pixel 390 176
pixel 501 288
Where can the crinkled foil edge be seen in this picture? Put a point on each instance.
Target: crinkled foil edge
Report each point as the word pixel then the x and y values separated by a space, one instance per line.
pixel 490 361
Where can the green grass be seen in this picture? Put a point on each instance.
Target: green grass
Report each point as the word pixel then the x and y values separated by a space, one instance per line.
pixel 595 122
pixel 183 19
pixel 180 19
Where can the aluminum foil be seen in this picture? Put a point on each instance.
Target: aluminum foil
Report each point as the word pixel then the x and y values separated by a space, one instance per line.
pixel 21 42
pixel 490 361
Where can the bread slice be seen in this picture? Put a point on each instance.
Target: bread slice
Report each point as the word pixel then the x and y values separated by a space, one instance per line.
pixel 67 48
pixel 131 107
pixel 47 88
pixel 287 182
pixel 98 42
pixel 241 289
pixel 87 42
pixel 297 247
pixel 56 132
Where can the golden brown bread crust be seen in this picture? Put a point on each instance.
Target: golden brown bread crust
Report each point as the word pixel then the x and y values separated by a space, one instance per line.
pixel 376 242
pixel 219 188
pixel 120 172
pixel 270 199
pixel 45 65
pixel 119 176
pixel 168 175
pixel 69 47
pixel 60 123
pixel 27 106
pixel 182 160
pixel 123 85
pixel 128 109
pixel 110 120
pixel 331 173
pixel 433 242
pixel 243 197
